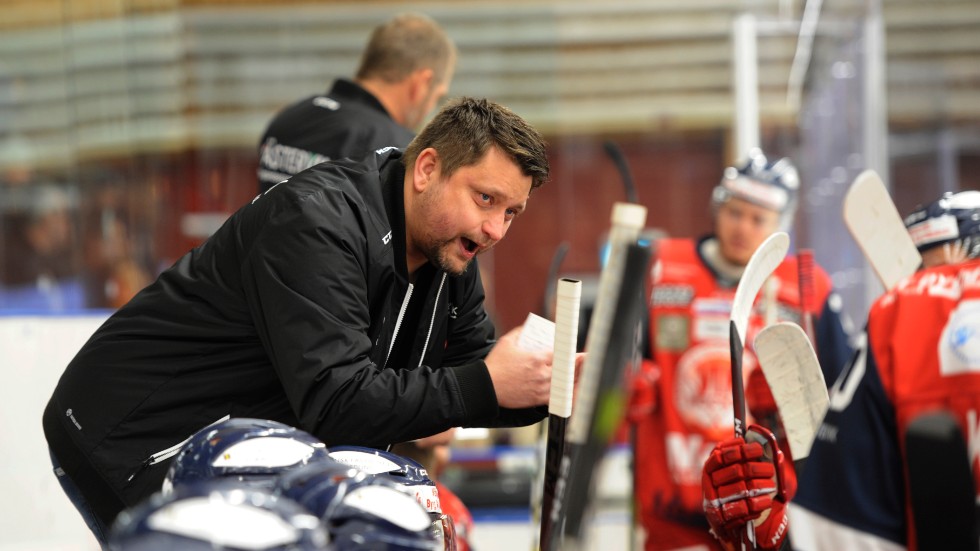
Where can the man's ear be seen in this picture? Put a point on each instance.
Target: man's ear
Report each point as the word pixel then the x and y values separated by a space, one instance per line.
pixel 426 168
pixel 422 80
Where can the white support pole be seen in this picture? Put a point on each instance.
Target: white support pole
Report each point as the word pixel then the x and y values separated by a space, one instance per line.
pixel 875 123
pixel 745 83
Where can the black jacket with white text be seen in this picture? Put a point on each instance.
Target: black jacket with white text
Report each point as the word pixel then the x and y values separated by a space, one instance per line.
pixel 291 311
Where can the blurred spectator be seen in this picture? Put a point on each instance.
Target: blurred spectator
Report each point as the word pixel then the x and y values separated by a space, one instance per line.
pixel 39 269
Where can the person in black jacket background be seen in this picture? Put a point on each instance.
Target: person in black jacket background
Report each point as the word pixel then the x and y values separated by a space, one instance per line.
pixel 345 301
pixel 405 70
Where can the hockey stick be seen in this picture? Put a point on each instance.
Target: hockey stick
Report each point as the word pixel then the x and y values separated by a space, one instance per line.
pixel 547 307
pixel 941 485
pixel 623 167
pixel 762 264
pixel 560 403
pixel 796 381
pixel 874 222
pixel 627 221
pixel 808 307
pixel 609 397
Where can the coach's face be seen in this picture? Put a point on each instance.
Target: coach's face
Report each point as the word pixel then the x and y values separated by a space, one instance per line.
pixel 455 218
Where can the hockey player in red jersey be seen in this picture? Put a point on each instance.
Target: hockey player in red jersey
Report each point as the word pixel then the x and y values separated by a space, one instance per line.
pixel 921 354
pixel 682 401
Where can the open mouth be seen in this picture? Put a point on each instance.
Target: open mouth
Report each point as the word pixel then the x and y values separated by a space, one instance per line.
pixel 469 245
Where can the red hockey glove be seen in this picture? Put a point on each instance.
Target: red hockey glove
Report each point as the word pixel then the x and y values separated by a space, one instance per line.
pixel 742 483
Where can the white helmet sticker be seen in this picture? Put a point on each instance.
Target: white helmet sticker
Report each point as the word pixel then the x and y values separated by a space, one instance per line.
pixel 265 452
pixel 427 496
pixel 367 462
pixel 221 523
pixel 391 505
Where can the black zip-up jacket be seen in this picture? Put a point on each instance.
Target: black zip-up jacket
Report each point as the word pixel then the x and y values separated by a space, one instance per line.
pixel 288 312
pixel 346 122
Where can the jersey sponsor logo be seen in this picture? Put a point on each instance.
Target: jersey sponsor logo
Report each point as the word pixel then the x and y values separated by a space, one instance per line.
pixel 718 306
pixel 703 388
pixel 326 103
pixel 959 345
pixel 275 156
pixel 671 296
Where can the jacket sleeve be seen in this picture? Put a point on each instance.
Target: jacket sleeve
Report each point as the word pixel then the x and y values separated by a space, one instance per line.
pixel 470 338
pixel 305 281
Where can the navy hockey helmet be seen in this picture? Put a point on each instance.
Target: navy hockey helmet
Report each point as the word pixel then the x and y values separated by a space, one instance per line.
pixel 953 218
pixel 375 514
pixel 405 472
pixel 250 451
pixel 217 515
pixel 319 485
pixel 773 185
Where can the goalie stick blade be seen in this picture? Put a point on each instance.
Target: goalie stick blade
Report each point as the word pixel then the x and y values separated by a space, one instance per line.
pixel 763 262
pixel 796 381
pixel 941 484
pixel 874 223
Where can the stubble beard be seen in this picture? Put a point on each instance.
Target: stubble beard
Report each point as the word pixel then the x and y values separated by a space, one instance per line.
pixel 441 256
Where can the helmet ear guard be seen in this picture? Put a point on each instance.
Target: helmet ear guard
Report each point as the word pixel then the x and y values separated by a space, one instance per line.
pixel 771 185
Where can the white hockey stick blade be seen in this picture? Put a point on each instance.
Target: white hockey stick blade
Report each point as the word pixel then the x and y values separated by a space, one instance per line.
pixel 763 263
pixel 566 339
pixel 874 222
pixel 796 381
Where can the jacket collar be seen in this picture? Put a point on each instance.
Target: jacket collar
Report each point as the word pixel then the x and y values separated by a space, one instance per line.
pixel 344 89
pixel 393 192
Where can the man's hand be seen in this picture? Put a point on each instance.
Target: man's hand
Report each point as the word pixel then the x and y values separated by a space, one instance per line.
pixel 740 484
pixel 520 378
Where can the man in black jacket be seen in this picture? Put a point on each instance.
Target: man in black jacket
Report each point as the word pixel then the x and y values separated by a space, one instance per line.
pixel 405 70
pixel 344 301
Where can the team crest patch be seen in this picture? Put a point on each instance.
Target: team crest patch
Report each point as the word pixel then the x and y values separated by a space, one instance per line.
pixel 703 388
pixel 959 347
pixel 673 332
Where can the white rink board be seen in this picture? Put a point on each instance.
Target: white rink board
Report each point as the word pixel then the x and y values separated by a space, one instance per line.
pixel 35 515
pixel 34 512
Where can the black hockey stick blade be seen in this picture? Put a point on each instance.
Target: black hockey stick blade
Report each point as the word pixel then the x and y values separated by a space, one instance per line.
pixel 941 484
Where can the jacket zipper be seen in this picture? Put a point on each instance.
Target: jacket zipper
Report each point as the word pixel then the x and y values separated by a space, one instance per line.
pixel 398 322
pixel 432 322
pixel 163 455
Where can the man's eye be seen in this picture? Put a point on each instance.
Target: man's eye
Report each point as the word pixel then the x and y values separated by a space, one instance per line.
pixel 485 198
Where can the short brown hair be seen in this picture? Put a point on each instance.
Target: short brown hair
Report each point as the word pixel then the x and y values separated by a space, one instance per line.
pixel 403 45
pixel 464 130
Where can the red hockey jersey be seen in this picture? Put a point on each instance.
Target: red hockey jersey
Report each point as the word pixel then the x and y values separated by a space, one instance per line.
pixel 922 354
pixel 689 307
